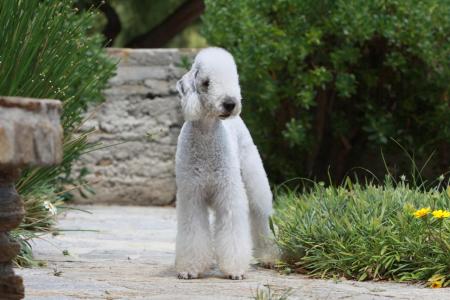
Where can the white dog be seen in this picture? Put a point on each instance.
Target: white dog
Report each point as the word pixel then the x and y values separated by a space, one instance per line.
pixel 218 166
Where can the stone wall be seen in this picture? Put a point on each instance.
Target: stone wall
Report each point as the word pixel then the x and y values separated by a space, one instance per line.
pixel 141 115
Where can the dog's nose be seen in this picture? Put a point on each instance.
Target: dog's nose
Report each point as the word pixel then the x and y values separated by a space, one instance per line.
pixel 229 105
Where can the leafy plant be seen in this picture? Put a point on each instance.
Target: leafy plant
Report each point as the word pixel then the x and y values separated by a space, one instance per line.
pixel 367 231
pixel 46 52
pixel 337 79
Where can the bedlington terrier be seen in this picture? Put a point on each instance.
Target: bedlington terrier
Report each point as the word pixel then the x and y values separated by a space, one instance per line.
pixel 218 166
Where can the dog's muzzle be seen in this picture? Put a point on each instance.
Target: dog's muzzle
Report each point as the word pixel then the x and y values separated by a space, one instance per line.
pixel 228 106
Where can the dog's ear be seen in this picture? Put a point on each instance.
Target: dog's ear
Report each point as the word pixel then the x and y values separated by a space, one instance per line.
pixel 190 102
pixel 180 88
pixel 186 84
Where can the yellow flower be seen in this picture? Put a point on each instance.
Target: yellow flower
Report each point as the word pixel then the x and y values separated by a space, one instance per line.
pixel 436 284
pixel 441 214
pixel 420 213
pixel 436 281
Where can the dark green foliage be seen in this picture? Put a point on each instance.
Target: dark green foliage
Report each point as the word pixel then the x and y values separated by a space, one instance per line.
pixel 45 52
pixel 331 81
pixel 366 232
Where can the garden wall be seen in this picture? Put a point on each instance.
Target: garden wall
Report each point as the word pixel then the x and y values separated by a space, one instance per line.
pixel 142 116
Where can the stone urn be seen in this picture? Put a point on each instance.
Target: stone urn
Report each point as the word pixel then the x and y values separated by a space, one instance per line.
pixel 30 135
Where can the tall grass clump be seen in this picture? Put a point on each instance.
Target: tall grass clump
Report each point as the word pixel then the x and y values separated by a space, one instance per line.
pixel 390 231
pixel 47 51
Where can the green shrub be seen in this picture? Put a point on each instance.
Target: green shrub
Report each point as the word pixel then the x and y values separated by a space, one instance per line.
pixel 369 232
pixel 46 52
pixel 338 78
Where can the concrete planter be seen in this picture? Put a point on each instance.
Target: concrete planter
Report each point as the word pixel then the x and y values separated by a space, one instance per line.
pixel 30 135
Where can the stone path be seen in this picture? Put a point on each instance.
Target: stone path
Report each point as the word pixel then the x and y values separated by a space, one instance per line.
pixel 130 256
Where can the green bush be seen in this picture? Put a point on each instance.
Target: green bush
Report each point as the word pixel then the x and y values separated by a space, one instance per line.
pixel 338 78
pixel 46 52
pixel 367 232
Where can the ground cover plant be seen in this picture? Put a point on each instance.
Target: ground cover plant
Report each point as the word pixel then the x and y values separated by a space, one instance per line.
pixel 47 52
pixel 388 231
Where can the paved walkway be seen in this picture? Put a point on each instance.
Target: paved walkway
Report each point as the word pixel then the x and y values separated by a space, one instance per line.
pixel 131 254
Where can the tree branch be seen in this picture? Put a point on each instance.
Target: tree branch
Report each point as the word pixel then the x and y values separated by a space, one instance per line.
pixel 113 27
pixel 158 36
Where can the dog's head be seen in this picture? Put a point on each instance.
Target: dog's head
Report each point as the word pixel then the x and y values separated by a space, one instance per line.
pixel 211 88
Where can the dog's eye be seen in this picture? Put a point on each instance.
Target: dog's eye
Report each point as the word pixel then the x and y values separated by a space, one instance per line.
pixel 205 84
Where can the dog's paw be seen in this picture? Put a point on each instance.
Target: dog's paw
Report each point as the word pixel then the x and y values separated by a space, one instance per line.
pixel 187 275
pixel 268 257
pixel 236 276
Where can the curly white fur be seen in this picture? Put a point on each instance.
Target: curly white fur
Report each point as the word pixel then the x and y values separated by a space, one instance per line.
pixel 218 166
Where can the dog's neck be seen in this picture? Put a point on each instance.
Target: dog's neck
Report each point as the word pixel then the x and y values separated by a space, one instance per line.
pixel 206 125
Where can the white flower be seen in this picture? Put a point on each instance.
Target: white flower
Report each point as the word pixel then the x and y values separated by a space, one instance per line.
pixel 403 177
pixel 441 178
pixel 50 207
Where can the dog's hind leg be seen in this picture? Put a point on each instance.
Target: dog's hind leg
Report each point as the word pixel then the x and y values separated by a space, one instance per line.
pixel 260 202
pixel 193 243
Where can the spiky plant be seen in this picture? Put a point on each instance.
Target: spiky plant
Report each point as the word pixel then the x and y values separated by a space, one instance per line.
pixel 46 52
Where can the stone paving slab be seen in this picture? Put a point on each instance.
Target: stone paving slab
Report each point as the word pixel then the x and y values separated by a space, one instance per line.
pixel 130 255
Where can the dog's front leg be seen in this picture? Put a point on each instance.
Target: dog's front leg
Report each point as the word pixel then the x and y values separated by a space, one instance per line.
pixel 193 244
pixel 232 233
